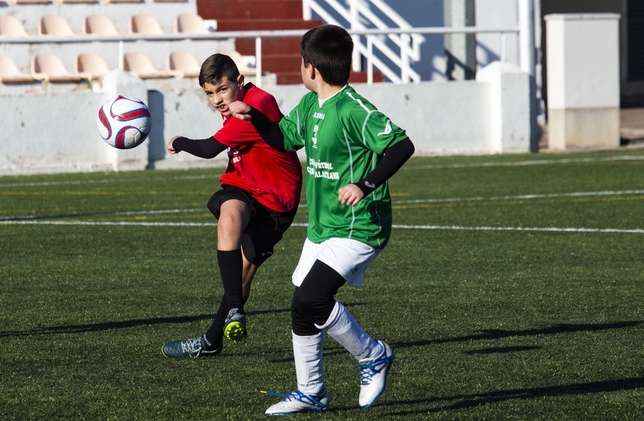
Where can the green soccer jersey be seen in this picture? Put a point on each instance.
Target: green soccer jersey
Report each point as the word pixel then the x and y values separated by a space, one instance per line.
pixel 344 139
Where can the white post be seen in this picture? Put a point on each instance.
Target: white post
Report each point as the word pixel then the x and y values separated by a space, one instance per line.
pixel 306 10
pixel 527 62
pixel 369 60
pixel 121 64
pixel 258 62
pixel 354 15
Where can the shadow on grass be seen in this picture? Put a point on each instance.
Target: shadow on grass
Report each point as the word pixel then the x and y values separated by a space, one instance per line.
pixel 499 334
pixel 474 400
pixel 97 327
pixel 502 350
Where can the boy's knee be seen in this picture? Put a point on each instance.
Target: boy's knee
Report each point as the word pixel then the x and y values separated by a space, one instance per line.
pixel 311 306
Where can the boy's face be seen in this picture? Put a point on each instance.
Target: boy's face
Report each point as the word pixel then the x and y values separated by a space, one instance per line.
pixel 221 94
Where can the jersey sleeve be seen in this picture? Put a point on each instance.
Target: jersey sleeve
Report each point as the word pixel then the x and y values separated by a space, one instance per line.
pixel 293 124
pixel 378 132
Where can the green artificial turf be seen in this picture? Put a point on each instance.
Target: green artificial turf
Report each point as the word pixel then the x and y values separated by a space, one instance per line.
pixel 512 288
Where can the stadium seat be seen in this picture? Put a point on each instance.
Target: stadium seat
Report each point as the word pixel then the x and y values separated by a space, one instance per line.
pixel 33 1
pixel 139 65
pixel 189 23
pixel 243 67
pixel 145 24
pixel 98 25
pixel 9 72
pixel 183 64
pixel 11 27
pixel 91 64
pixel 50 68
pixel 53 25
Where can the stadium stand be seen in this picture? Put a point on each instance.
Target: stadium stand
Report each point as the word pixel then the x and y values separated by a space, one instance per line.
pixel 9 72
pixel 139 65
pixel 183 64
pixel 91 64
pixel 189 23
pixel 33 1
pixel 53 25
pixel 241 63
pixel 50 68
pixel 145 24
pixel 99 25
pixel 11 27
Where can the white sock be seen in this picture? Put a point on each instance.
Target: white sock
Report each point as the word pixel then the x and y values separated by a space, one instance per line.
pixel 342 327
pixel 307 352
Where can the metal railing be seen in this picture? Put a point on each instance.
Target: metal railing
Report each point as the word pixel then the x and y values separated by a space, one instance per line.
pixel 353 15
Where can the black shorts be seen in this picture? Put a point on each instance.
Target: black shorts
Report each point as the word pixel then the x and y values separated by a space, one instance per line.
pixel 265 228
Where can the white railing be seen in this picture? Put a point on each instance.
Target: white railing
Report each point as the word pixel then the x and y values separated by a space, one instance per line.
pixel 354 16
pixel 371 35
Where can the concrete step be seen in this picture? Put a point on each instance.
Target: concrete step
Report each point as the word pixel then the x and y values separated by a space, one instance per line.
pixel 265 24
pixel 249 9
pixel 294 78
pixel 246 46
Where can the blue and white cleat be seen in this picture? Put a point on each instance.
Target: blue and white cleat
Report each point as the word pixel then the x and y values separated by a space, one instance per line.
pixel 189 348
pixel 373 375
pixel 297 401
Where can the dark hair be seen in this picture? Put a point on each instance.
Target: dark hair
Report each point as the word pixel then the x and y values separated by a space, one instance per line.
pixel 216 67
pixel 328 48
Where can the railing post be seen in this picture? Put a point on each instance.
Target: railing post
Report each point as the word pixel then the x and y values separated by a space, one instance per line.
pixel 354 16
pixel 369 60
pixel 258 62
pixel 306 10
pixel 120 53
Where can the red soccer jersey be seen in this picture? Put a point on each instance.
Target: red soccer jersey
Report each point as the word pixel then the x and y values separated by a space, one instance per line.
pixel 272 177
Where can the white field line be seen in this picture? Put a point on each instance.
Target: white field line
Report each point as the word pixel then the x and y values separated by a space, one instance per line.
pixel 405 167
pixel 527 163
pixel 521 197
pixel 407 227
pixel 101 181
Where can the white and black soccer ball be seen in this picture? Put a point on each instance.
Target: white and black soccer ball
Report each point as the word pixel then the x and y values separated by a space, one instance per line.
pixel 124 122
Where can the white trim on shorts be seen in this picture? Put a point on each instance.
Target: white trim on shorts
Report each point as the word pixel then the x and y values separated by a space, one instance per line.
pixel 349 258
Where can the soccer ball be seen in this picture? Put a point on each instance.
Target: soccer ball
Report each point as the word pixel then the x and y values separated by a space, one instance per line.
pixel 124 122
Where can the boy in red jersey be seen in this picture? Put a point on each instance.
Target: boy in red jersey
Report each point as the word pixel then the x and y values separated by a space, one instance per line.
pixel 256 205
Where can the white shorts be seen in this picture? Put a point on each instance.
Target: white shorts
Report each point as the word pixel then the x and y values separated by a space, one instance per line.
pixel 349 258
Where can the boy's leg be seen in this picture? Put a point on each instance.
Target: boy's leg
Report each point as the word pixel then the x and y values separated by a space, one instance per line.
pixel 313 297
pixel 214 336
pixel 211 343
pixel 233 219
pixel 317 303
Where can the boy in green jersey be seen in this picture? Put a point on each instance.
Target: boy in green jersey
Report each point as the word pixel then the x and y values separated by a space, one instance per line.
pixel 352 149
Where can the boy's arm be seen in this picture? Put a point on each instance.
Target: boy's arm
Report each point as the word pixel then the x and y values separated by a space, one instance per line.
pixel 267 129
pixel 393 158
pixel 203 148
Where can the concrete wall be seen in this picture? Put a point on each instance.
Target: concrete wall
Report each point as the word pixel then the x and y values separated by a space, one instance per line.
pixel 53 128
pixel 583 81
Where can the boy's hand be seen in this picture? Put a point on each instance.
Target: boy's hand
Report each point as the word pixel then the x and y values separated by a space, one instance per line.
pixel 170 147
pixel 240 110
pixel 350 195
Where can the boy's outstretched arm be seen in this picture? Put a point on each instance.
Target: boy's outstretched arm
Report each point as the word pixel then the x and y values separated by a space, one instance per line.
pixel 392 159
pixel 267 129
pixel 203 148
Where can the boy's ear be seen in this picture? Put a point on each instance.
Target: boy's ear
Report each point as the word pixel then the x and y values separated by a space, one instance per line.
pixel 311 70
pixel 240 80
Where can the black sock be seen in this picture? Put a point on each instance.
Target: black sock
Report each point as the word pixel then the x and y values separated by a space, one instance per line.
pixel 215 334
pixel 230 268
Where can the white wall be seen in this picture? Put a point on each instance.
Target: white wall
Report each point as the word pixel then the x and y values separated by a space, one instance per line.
pixel 53 129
